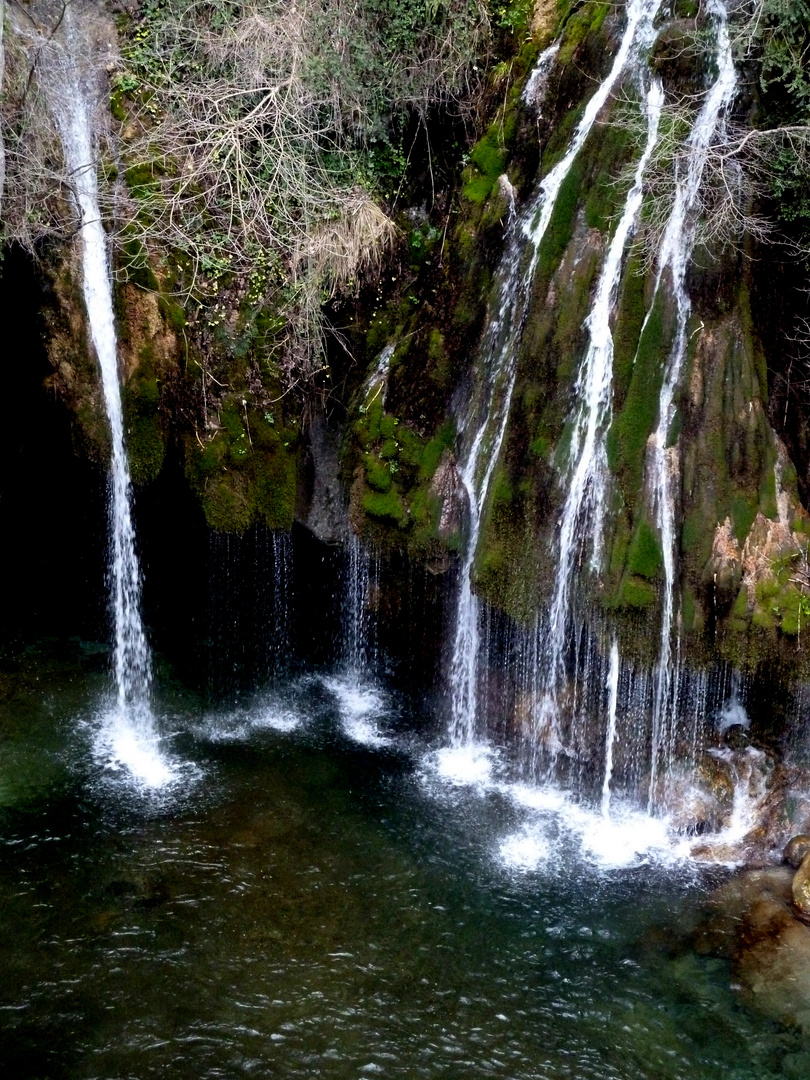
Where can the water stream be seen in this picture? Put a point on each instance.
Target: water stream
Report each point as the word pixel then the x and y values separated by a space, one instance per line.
pixel 70 75
pixel 586 478
pixel 483 426
pixel 675 253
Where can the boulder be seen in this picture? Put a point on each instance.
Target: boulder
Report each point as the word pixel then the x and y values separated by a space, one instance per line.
pixel 752 921
pixel 795 850
pixel 800 890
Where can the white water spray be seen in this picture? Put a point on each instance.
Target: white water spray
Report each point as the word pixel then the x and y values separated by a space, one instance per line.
pixel 70 81
pixel 675 253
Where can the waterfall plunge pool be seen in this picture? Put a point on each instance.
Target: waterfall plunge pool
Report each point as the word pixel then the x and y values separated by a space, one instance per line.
pixel 316 892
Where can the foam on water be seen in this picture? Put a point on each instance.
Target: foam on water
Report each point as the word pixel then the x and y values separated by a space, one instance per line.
pixel 279 718
pixel 525 850
pixel 135 752
pixel 555 827
pixel 361 705
pixel 468 765
pixel 268 714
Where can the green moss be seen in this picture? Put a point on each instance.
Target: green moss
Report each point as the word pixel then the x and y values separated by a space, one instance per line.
pixel 585 20
pixel 378 475
pixel 274 466
pixel 740 609
pixel 489 154
pixel 141 179
pixel 540 446
pixel 619 549
pixel 144 437
pixel 561 226
pixel 629 320
pixel 440 367
pixel 627 438
pixel 173 313
pixel 477 190
pixel 767 494
pixel 743 511
pixel 247 471
pixel 385 506
pixel 489 157
pixel 762 620
pixel 636 593
pixel 137 268
pixel 645 558
pixel 443 440
pixel 388 425
pixel 560 138
pixel 605 195
pixel 767 589
pixel 228 503
pixel 752 338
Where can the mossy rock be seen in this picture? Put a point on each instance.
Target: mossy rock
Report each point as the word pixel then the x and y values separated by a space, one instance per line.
pixel 229 502
pixel 637 594
pixel 645 558
pixel 386 506
pixel 246 472
pixel 627 438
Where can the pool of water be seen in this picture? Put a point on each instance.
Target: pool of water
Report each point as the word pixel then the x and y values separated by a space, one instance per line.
pixel 316 893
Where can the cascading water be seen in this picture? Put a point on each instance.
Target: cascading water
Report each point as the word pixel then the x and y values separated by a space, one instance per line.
pixel 361 701
pixel 356 624
pixel 610 738
pixel 605 693
pixel 249 609
pixel 70 80
pixel 583 512
pixel 484 424
pixel 674 256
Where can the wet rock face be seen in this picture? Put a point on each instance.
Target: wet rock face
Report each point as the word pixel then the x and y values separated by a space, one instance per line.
pixel 723 572
pixel 447 488
pixel 324 512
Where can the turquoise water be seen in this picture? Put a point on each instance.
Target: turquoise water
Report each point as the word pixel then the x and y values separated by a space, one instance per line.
pixel 309 898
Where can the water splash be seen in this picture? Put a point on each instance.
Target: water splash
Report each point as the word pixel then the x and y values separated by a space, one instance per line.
pixel 129 737
pixel 675 253
pixel 361 702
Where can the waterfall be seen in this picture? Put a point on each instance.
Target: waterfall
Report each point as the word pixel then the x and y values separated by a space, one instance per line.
pixel 356 622
pixel 674 255
pixel 583 512
pixel 361 702
pixel 498 355
pixel 70 81
pixel 279 643
pixel 249 609
pixel 610 738
pixel 483 426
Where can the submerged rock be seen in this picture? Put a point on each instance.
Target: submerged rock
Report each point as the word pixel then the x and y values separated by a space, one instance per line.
pixel 795 850
pixel 800 889
pixel 751 921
